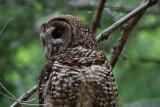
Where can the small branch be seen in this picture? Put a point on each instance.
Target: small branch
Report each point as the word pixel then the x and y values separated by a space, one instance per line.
pixel 127 29
pixel 3 87
pixel 118 47
pixel 5 25
pixel 105 34
pixel 96 19
pixel 25 96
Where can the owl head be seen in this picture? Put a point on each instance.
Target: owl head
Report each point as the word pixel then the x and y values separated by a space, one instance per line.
pixel 63 32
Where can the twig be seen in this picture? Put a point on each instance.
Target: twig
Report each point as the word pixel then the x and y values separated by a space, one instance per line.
pixel 29 100
pixel 8 91
pixel 118 47
pixel 5 25
pixel 96 18
pixel 25 96
pixel 127 29
pixel 105 34
pixel 7 96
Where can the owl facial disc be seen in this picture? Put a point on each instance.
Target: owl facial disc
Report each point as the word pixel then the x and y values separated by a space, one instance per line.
pixel 56 36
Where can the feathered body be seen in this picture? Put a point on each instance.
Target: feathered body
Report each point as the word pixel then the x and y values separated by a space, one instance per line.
pixel 77 73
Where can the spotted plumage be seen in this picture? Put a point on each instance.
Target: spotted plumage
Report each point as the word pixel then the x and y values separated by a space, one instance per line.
pixel 76 74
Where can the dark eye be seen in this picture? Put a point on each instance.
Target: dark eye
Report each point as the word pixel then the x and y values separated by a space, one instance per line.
pixel 57 32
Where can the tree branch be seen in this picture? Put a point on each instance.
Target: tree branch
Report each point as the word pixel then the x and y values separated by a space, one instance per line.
pixel 96 19
pixel 25 96
pixel 5 25
pixel 127 29
pixel 118 47
pixel 105 34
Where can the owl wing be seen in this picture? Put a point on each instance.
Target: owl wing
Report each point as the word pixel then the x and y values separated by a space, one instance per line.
pixel 102 82
pixel 61 86
pixel 43 78
pixel 73 86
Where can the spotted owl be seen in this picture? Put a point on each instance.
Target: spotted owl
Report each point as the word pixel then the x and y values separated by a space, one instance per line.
pixel 76 74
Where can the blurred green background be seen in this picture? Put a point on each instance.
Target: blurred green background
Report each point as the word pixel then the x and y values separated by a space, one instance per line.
pixel 22 56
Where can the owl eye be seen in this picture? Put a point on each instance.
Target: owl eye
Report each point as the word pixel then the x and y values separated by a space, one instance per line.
pixel 57 33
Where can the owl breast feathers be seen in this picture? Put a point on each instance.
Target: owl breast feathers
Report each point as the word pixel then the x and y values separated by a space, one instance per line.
pixel 77 73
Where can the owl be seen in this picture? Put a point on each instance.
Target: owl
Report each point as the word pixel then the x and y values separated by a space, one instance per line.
pixel 76 74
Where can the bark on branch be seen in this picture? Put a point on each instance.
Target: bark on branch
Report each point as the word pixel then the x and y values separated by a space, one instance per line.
pixel 127 29
pixel 25 96
pixel 118 47
pixel 106 33
pixel 96 18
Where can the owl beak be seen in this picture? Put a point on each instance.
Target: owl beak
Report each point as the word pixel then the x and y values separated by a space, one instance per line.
pixel 54 45
pixel 55 42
